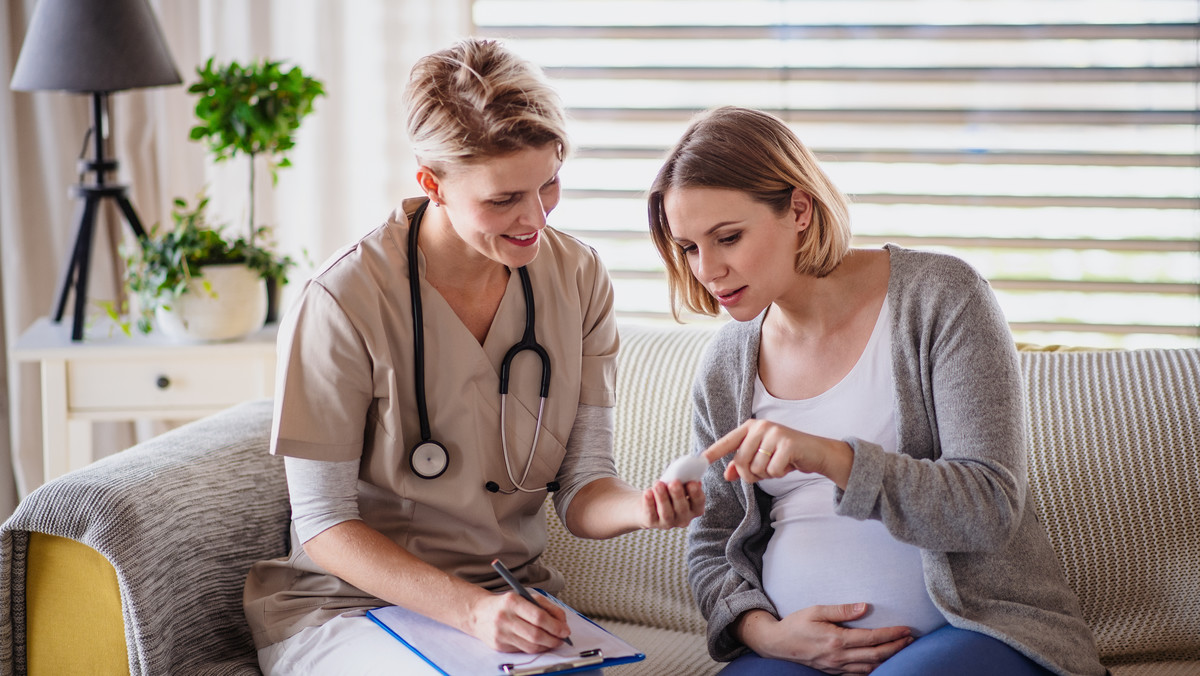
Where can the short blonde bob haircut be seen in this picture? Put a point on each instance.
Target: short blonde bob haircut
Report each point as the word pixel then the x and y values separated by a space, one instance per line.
pixel 477 100
pixel 756 153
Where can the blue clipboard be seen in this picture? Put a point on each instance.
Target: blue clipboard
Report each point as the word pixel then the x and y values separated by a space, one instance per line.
pixel 453 653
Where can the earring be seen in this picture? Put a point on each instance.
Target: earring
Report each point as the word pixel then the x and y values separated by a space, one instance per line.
pixel 436 203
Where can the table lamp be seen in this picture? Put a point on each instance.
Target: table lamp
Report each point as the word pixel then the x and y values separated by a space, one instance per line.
pixel 94 47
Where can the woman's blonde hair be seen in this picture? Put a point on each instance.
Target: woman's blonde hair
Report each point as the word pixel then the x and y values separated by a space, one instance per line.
pixel 476 100
pixel 756 153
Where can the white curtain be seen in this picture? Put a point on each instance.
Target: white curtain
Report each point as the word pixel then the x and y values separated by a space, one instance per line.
pixel 351 163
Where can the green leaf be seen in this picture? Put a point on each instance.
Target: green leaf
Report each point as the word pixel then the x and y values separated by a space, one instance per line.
pixel 251 109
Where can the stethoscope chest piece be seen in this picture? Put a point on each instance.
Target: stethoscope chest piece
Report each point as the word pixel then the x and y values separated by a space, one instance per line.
pixel 429 459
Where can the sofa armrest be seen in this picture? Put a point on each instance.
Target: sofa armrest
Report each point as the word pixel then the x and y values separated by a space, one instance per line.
pixel 181 518
pixel 72 599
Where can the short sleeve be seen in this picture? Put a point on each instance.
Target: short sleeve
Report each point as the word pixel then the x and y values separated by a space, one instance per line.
pixel 598 375
pixel 323 384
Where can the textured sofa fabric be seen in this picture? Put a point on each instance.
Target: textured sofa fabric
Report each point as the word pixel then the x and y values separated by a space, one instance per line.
pixel 1115 468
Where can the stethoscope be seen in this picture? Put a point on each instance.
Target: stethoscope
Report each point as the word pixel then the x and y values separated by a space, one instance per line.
pixel 429 458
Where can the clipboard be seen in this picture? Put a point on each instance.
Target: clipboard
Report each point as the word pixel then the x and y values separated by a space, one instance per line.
pixel 453 653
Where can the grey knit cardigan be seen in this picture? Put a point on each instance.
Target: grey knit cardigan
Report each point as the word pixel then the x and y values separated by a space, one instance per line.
pixel 957 488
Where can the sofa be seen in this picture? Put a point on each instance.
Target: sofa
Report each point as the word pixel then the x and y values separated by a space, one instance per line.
pixel 135 563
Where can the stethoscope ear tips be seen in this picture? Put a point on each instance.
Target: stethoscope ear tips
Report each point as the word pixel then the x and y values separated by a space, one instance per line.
pixel 492 487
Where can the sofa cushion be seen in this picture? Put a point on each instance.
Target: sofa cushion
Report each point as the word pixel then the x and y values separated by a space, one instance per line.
pixel 667 651
pixel 640 577
pixel 1115 470
pixel 1188 668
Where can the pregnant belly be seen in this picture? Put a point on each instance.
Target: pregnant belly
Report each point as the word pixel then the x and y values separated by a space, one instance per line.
pixel 825 559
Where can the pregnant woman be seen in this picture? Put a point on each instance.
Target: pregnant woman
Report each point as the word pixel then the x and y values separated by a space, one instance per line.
pixel 868 507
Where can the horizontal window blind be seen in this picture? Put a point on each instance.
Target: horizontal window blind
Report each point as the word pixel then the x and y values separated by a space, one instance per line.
pixel 1053 145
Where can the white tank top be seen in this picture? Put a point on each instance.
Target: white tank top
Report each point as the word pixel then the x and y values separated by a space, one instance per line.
pixel 816 557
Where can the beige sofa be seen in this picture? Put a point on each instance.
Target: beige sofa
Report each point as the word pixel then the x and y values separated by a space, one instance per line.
pixel 135 564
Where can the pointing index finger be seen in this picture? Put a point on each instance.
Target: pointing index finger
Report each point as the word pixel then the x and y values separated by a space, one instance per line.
pixel 725 445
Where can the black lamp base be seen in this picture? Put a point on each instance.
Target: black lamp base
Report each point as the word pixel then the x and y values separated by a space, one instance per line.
pixel 75 276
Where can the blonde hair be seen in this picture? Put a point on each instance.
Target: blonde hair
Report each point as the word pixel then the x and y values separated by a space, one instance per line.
pixel 756 153
pixel 477 100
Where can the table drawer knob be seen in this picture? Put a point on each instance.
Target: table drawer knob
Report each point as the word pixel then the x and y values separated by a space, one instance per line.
pixel 163 382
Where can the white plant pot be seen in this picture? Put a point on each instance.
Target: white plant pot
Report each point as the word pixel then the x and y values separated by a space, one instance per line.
pixel 235 306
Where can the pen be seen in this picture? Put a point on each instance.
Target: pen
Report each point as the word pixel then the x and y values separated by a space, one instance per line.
pixel 517 586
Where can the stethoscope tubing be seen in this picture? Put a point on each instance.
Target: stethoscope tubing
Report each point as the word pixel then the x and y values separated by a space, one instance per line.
pixel 528 342
pixel 418 323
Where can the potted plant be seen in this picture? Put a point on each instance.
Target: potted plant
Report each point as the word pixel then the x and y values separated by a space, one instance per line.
pixel 253 110
pixel 195 283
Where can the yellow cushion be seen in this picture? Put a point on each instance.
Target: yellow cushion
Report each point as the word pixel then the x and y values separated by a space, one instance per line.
pixel 72 610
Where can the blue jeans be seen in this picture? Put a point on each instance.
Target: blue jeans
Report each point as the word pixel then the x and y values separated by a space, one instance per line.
pixel 945 652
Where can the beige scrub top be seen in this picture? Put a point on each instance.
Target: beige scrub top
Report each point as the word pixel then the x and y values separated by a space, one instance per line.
pixel 345 391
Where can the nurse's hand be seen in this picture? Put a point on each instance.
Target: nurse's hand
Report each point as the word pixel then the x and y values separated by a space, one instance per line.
pixel 672 505
pixel 509 623
pixel 766 450
pixel 815 638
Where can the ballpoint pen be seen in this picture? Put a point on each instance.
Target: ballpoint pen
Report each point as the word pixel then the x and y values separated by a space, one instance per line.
pixel 518 587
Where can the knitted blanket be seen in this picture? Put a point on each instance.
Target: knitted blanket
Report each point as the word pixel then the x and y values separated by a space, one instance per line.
pixel 180 533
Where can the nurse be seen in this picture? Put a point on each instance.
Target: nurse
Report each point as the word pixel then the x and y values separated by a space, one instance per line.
pixel 401 339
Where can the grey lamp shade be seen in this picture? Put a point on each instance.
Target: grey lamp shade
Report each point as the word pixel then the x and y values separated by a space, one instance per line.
pixel 93 46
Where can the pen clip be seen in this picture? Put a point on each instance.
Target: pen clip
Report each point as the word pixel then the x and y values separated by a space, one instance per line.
pixel 587 658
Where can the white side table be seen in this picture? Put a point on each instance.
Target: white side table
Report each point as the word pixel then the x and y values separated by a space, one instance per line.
pixel 111 376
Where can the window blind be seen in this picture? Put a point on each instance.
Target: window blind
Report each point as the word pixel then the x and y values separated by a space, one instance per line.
pixel 1053 145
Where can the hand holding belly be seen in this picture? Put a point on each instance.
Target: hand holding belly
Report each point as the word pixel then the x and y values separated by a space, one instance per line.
pixel 814 638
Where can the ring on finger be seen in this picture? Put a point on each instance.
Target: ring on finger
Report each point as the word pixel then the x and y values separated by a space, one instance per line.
pixel 765 452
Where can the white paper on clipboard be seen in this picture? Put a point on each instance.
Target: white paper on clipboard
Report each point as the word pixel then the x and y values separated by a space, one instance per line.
pixel 455 653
